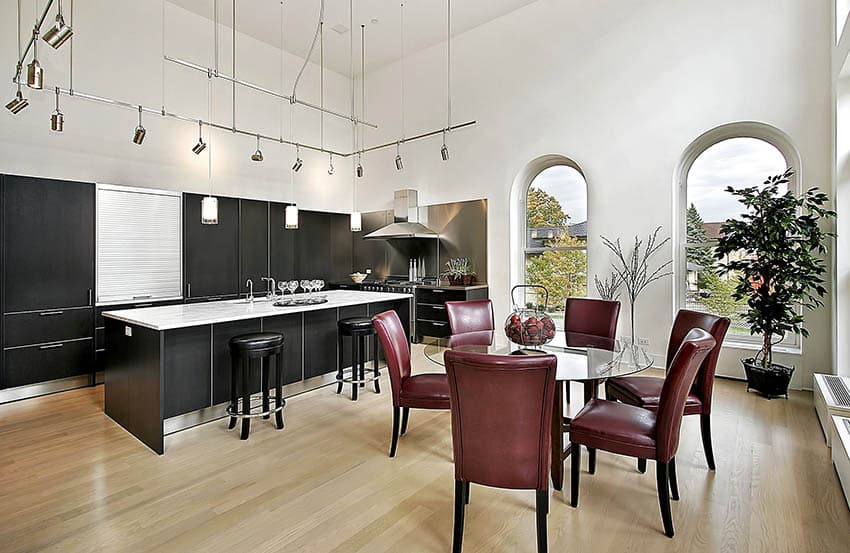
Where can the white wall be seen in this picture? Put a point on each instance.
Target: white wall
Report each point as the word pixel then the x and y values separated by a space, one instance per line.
pixel 622 88
pixel 117 53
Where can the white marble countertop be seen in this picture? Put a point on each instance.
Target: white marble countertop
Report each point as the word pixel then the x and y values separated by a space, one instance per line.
pixel 168 317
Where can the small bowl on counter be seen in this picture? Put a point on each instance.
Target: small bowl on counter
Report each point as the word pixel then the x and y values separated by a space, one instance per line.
pixel 358 277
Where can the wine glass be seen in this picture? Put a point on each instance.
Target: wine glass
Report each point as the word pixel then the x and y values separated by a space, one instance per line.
pixel 319 284
pixel 292 286
pixel 282 287
pixel 305 285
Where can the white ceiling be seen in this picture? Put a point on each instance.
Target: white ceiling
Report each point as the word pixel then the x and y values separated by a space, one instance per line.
pixel 425 24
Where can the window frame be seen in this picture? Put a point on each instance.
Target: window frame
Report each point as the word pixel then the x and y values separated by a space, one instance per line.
pixel 745 129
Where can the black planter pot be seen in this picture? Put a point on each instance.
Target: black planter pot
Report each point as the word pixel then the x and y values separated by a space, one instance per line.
pixel 770 382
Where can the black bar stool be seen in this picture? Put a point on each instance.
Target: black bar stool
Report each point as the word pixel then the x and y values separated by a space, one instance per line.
pixel 244 348
pixel 358 329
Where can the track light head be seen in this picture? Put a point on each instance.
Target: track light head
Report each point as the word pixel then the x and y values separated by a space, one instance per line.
pixel 57 121
pixel 257 155
pixel 330 164
pixel 59 33
pixel 201 145
pixel 359 170
pixel 35 73
pixel 140 132
pixel 444 152
pixel 399 164
pixel 18 103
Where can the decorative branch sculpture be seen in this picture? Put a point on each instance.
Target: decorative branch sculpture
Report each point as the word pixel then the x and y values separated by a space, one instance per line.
pixel 633 270
pixel 608 288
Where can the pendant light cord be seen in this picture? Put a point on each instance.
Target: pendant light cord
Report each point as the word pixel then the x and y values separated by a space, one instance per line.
pixel 353 103
pixel 162 56
pixel 362 86
pixel 449 66
pixel 19 68
pixel 233 69
pixel 322 84
pixel 312 47
pixel 71 56
pixel 402 70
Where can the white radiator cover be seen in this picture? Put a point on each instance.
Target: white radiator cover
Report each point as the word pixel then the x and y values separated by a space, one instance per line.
pixel 139 244
pixel 841 453
pixel 826 405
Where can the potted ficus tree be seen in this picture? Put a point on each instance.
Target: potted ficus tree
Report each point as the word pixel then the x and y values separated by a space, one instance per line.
pixel 774 252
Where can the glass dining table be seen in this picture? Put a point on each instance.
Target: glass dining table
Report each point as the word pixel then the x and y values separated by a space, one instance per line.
pixel 588 364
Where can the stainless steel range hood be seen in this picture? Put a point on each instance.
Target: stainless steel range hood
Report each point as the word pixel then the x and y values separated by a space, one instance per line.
pixel 406 219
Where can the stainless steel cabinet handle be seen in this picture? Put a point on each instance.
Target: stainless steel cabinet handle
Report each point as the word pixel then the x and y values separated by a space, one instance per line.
pixel 439 324
pixel 51 346
pixel 188 290
pixel 437 291
pixel 146 297
pixel 438 306
pixel 90 296
pixel 50 313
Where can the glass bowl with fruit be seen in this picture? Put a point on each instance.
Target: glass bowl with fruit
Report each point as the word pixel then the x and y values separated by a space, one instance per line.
pixel 528 324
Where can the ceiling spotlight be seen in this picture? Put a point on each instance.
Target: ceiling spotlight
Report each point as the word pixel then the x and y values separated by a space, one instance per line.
pixel 140 132
pixel 201 145
pixel 18 103
pixel 59 33
pixel 330 164
pixel 35 73
pixel 398 163
pixel 444 151
pixel 57 118
pixel 298 163
pixel 258 155
pixel 359 167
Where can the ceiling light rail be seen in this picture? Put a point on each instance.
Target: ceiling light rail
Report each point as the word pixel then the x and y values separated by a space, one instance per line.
pixel 212 71
pixel 34 36
pixel 395 143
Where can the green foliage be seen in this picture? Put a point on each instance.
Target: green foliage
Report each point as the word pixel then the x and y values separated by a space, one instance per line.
pixel 544 210
pixel 778 244
pixel 562 272
pixel 722 300
pixel 697 235
pixel 458 266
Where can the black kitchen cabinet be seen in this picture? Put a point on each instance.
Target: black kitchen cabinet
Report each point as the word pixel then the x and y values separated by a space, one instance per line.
pixel 313 245
pixel 210 252
pixel 39 363
pixel 320 342
pixel 186 378
pixel 290 326
pixel 281 244
pixel 431 318
pixel 48 244
pixel 253 243
pixel 221 362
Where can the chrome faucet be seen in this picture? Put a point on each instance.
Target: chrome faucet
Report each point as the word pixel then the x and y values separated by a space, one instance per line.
pixel 270 289
pixel 250 297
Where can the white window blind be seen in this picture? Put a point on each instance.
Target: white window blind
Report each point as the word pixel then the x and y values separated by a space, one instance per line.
pixel 139 244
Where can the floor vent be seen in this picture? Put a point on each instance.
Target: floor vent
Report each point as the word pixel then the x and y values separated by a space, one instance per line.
pixel 838 390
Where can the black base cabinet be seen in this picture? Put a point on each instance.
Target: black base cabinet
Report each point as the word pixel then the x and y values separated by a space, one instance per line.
pixel 431 318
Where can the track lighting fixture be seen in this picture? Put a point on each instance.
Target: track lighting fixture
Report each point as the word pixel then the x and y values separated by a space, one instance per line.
pixel 18 103
pixel 298 163
pixel 35 73
pixel 359 167
pixel 59 33
pixel 57 118
pixel 330 164
pixel 444 151
pixel 398 163
pixel 257 155
pixel 201 145
pixel 140 132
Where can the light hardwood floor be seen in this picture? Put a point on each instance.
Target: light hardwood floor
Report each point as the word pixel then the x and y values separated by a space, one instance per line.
pixel 72 480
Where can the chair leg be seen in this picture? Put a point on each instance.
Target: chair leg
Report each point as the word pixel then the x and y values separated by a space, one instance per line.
pixel 460 507
pixel 591 460
pixel 674 483
pixel 265 367
pixel 405 413
pixel 246 397
pixel 234 398
pixel 396 413
pixel 575 471
pixel 642 466
pixel 542 512
pixel 339 360
pixel 278 388
pixel 705 426
pixel 375 363
pixel 662 480
pixel 557 453
pixel 466 493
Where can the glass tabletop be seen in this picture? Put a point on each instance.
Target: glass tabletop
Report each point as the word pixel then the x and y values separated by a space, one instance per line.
pixel 618 358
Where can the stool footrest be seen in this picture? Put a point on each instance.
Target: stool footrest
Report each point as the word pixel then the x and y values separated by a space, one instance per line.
pixel 256 403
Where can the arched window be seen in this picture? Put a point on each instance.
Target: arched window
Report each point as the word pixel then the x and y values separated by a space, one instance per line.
pixel 554 231
pixel 737 155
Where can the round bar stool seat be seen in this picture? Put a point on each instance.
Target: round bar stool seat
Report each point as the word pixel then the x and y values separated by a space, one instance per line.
pixel 243 349
pixel 359 329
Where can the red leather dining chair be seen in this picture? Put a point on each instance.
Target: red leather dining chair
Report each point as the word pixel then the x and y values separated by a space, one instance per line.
pixel 501 427
pixel 590 322
pixel 471 322
pixel 422 391
pixel 637 432
pixel 643 391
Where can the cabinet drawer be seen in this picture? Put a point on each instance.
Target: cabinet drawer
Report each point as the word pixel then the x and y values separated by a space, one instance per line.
pixel 438 295
pixel 33 364
pixel 432 328
pixel 47 326
pixel 431 312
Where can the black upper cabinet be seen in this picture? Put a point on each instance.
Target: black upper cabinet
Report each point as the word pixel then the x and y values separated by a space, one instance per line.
pixel 281 245
pixel 253 243
pixel 313 245
pixel 341 249
pixel 48 235
pixel 211 252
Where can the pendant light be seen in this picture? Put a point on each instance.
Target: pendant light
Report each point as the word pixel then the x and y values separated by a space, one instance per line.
pixel 356 222
pixel 359 170
pixel 201 145
pixel 35 73
pixel 257 155
pixel 209 204
pixel 59 33
pixel 290 212
pixel 57 118
pixel 399 164
pixel 444 150
pixel 291 216
pixel 140 132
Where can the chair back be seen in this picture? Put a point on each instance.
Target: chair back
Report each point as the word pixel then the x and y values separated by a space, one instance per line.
pixel 591 322
pixel 502 418
pixel 696 345
pixel 716 326
pixel 470 316
pixel 396 349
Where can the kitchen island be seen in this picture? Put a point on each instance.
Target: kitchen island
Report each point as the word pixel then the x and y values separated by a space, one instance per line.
pixel 168 368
